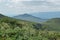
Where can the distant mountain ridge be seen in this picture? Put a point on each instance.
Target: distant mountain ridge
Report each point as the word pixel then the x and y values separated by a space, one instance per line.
pixel 46 15
pixel 26 15
pixel 29 17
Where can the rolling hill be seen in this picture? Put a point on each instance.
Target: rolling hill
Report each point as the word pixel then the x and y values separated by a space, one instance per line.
pixel 53 24
pixel 17 29
pixel 28 17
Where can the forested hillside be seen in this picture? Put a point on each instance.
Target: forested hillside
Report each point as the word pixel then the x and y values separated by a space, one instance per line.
pixel 53 24
pixel 13 29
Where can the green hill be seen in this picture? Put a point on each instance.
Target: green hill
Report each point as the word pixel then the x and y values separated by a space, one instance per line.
pixel 14 29
pixel 53 24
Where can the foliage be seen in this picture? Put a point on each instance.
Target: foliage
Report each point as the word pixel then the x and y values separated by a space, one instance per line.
pixel 13 29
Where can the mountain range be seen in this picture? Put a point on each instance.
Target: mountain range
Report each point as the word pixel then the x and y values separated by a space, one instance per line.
pixel 29 17
pixel 46 15
pixel 51 24
pixel 38 16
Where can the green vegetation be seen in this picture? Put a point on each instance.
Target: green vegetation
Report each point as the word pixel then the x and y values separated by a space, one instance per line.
pixel 13 29
pixel 53 24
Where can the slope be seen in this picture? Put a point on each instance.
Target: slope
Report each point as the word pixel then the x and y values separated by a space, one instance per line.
pixel 53 24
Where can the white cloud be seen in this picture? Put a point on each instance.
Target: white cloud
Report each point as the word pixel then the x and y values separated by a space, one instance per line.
pixel 56 2
pixel 16 1
pixel 20 6
pixel 0 0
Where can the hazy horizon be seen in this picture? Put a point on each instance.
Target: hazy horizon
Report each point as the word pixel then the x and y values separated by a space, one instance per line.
pixel 15 7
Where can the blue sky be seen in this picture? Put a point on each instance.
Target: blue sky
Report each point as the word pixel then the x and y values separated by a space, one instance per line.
pixel 15 7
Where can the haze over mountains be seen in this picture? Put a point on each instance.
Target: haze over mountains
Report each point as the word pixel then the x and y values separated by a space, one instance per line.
pixel 29 17
pixel 38 16
pixel 46 15
pixel 43 15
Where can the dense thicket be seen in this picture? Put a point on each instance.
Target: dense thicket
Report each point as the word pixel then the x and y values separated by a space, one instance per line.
pixel 12 29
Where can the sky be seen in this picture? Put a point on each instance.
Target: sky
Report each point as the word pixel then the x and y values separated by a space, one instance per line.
pixel 15 7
